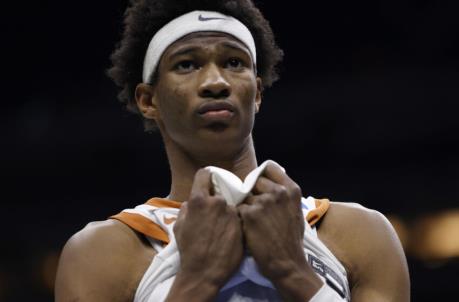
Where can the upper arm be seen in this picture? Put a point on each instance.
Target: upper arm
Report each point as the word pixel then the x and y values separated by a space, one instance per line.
pixel 366 244
pixel 380 268
pixel 97 264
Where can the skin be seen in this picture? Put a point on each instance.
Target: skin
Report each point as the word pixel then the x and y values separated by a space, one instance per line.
pixel 209 67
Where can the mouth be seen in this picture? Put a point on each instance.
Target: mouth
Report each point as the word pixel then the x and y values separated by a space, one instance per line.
pixel 216 111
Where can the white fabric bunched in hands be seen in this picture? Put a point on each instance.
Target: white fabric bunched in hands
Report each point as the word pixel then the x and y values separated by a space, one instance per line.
pixel 233 190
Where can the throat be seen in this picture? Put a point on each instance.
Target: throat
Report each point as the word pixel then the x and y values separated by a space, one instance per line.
pixel 184 166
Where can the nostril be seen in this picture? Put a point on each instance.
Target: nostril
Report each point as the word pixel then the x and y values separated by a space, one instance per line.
pixel 217 94
pixel 224 93
pixel 206 93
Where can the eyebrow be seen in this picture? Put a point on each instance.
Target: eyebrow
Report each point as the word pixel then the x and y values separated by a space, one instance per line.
pixel 235 46
pixel 183 51
pixel 239 47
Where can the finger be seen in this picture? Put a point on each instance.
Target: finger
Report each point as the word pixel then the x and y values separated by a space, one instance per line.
pixel 257 199
pixel 201 185
pixel 242 208
pixel 248 213
pixel 277 174
pixel 181 216
pixel 250 200
pixel 231 210
pixel 183 210
pixel 217 202
pixel 264 185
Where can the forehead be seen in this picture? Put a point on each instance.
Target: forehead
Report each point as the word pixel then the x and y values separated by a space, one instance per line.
pixel 205 39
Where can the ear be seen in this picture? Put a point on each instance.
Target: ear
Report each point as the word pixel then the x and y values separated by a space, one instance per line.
pixel 146 101
pixel 258 96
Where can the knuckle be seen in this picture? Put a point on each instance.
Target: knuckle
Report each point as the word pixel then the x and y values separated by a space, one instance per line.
pixel 218 199
pixel 250 213
pixel 177 226
pixel 249 200
pixel 280 191
pixel 271 167
pixel 242 210
pixel 247 215
pixel 197 197
pixel 265 200
pixel 218 203
pixel 295 191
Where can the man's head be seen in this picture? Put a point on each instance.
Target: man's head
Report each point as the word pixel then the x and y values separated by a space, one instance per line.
pixel 205 96
pixel 145 17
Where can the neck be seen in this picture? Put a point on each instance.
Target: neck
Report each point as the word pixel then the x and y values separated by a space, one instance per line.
pixel 185 165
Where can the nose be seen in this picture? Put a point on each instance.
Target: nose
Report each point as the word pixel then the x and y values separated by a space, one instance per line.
pixel 214 84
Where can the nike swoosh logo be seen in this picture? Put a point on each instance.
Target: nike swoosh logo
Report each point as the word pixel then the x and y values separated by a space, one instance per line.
pixel 169 220
pixel 201 18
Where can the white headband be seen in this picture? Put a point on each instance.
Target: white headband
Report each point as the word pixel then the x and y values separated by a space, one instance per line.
pixel 195 21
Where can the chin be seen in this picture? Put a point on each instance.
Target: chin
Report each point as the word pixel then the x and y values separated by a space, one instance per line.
pixel 218 127
pixel 221 141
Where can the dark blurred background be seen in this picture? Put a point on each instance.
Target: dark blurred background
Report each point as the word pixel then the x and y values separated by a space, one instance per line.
pixel 365 111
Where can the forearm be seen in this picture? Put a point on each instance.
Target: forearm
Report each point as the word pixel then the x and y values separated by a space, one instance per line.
pixel 300 285
pixel 192 288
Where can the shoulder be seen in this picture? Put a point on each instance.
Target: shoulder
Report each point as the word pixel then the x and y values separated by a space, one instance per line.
pixel 92 259
pixel 349 229
pixel 356 218
pixel 366 243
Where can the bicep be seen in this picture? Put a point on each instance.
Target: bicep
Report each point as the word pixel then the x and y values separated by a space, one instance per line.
pixel 383 272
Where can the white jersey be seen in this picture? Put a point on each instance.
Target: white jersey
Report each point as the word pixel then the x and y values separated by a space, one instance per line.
pixel 156 219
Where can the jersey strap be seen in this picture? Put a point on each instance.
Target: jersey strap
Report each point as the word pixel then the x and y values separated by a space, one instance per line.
pixel 148 227
pixel 314 215
pixel 145 225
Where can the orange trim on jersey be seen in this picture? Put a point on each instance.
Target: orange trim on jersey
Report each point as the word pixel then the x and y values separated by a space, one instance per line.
pixel 315 215
pixel 143 225
pixel 147 227
pixel 163 203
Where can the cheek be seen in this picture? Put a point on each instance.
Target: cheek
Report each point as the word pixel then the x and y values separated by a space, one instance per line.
pixel 172 101
pixel 173 105
pixel 248 91
pixel 181 97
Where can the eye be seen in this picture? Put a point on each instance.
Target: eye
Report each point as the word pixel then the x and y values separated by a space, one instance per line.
pixel 234 63
pixel 185 66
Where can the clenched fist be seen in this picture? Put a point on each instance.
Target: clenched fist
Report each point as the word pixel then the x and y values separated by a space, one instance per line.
pixel 273 226
pixel 209 238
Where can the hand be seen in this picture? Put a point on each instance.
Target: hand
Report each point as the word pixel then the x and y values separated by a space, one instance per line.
pixel 208 234
pixel 273 226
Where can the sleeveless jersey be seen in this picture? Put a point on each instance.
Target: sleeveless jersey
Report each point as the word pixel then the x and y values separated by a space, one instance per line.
pixel 155 219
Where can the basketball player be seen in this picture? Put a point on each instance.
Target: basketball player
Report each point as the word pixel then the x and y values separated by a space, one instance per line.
pixel 195 70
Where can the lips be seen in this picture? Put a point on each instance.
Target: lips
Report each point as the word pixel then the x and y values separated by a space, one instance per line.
pixel 215 106
pixel 216 112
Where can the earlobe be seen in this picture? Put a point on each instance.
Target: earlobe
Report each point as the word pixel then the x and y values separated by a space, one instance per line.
pixel 145 99
pixel 258 96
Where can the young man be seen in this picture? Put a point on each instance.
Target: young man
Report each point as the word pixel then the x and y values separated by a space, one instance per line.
pixel 195 70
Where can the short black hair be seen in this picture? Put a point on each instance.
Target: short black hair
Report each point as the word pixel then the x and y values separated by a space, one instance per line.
pixel 143 18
